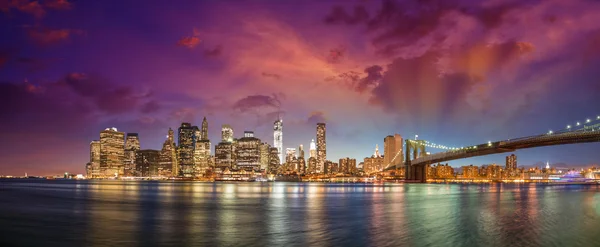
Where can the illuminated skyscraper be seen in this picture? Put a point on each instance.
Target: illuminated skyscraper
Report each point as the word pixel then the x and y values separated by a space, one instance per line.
pixel 204 135
pixel 321 148
pixel 274 161
pixel 168 165
pixel 93 167
pixel 247 152
pixel 224 155
pixel 392 150
pixel 186 150
pixel 511 162
pixel 226 133
pixel 147 162
pixel 301 151
pixel 112 152
pixel 313 149
pixel 264 156
pixel 347 166
pixel 132 144
pixel 376 154
pixel 278 137
pixel 290 153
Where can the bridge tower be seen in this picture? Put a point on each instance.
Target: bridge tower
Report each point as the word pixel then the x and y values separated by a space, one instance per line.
pixel 418 173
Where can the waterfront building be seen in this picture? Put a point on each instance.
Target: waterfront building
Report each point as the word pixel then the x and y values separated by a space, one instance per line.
pixel 168 162
pixel 226 133
pixel 470 171
pixel 112 152
pixel 440 171
pixel 224 155
pixel 301 162
pixel 347 166
pixel 392 150
pixel 93 167
pixel 274 162
pixel 186 150
pixel 264 156
pixel 313 149
pixel 278 137
pixel 511 162
pixel 321 147
pixel 374 163
pixel 311 165
pixel 132 144
pixel 247 152
pixel 290 153
pixel 146 163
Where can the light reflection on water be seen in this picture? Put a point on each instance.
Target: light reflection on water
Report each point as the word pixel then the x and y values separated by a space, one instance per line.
pixel 147 213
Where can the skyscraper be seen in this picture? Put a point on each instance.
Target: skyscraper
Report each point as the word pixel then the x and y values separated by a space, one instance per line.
pixel 112 152
pixel 274 161
pixel 147 162
pixel 204 135
pixel 168 163
pixel 347 166
pixel 290 153
pixel 224 155
pixel 226 133
pixel 392 150
pixel 132 144
pixel 186 150
pixel 247 152
pixel 321 147
pixel 264 156
pixel 278 137
pixel 93 167
pixel 301 151
pixel 313 149
pixel 511 162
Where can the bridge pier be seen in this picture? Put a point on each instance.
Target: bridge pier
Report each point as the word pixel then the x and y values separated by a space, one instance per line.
pixel 413 173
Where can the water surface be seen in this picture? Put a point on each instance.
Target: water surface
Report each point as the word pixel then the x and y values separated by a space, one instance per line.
pixel 152 213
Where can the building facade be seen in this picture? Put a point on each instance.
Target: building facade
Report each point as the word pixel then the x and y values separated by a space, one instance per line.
pixel 274 162
pixel 278 138
pixel 392 150
pixel 132 144
pixel 112 152
pixel 247 152
pixel 93 167
pixel 224 155
pixel 168 161
pixel 186 133
pixel 226 133
pixel 347 166
pixel 321 147
pixel 146 163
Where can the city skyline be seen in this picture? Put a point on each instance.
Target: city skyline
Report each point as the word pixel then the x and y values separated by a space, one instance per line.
pixel 459 73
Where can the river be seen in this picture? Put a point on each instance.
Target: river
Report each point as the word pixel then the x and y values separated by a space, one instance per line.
pixel 153 213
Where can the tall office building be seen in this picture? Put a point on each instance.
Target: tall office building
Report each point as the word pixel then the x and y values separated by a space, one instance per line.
pixel 511 162
pixel 132 144
pixel 226 133
pixel 290 154
pixel 224 155
pixel 186 150
pixel 93 167
pixel 168 164
pixel 247 152
pixel 373 163
pixel 301 151
pixel 264 156
pixel 392 150
pixel 313 149
pixel 347 166
pixel 274 162
pixel 321 147
pixel 278 137
pixel 147 163
pixel 112 152
pixel 204 135
pixel 311 165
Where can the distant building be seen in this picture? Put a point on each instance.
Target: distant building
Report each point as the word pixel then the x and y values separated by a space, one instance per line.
pixel 301 165
pixel 146 162
pixel 168 165
pixel 247 152
pixel 347 166
pixel 321 147
pixel 301 151
pixel 224 155
pixel 511 162
pixel 392 150
pixel 93 167
pixel 374 163
pixel 470 171
pixel 278 137
pixel 290 154
pixel 313 149
pixel 132 144
pixel 311 165
pixel 186 150
pixel 226 133
pixel 265 149
pixel 274 162
pixel 112 152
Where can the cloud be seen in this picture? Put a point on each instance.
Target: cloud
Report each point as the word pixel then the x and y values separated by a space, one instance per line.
pixel 150 107
pixel 58 4
pixel 183 114
pixel 215 52
pixel 34 8
pixel 256 102
pixel 338 15
pixel 316 117
pixel 190 41
pixel 271 75
pixel 336 54
pixel 107 97
pixel 47 36
pixel 374 75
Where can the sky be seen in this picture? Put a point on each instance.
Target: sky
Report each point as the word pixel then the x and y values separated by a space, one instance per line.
pixel 454 72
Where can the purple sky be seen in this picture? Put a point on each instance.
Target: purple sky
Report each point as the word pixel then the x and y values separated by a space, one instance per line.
pixel 454 72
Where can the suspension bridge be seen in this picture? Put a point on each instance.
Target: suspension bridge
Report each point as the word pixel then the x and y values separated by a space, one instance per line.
pixel 415 165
